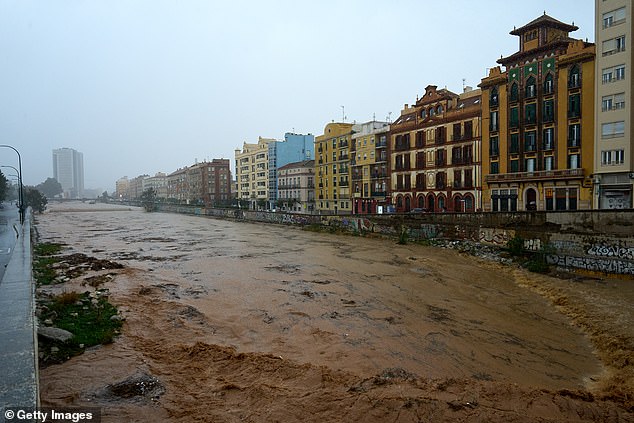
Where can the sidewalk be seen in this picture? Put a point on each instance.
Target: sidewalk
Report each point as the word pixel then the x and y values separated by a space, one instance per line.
pixel 18 339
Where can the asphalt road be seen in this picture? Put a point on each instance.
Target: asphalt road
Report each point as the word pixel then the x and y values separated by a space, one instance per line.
pixel 9 218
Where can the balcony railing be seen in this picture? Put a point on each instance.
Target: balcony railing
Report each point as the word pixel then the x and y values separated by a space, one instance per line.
pixel 538 175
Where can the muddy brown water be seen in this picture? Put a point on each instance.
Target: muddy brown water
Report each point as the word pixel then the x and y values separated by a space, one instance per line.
pixel 253 322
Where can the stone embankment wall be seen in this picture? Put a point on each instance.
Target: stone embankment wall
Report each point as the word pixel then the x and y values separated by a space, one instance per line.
pixel 595 241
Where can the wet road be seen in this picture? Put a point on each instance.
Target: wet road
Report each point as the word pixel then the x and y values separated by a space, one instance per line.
pixel 8 218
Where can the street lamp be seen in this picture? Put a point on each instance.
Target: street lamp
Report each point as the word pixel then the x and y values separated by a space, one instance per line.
pixel 21 209
pixel 17 175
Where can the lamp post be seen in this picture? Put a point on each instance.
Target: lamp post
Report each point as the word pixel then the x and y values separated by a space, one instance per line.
pixel 17 174
pixel 21 208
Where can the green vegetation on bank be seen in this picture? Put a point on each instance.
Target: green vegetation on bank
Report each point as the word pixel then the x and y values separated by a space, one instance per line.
pixel 88 316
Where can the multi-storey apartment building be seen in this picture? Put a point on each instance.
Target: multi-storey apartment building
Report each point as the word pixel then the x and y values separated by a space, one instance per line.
pixel 177 186
pixel 369 167
pixel 158 183
pixel 614 148
pixel 121 188
pixel 294 148
pixel 68 170
pixel 296 187
pixel 434 148
pixel 538 122
pixel 332 167
pixel 252 174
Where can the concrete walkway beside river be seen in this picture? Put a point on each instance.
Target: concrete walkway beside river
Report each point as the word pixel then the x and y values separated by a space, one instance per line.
pixel 18 339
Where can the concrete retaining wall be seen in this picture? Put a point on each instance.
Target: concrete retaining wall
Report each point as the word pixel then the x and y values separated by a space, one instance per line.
pixel 596 241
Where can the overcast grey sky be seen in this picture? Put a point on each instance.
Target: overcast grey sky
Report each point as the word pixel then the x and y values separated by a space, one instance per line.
pixel 142 86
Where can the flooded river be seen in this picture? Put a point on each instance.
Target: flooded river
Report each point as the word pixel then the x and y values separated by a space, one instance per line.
pixel 252 322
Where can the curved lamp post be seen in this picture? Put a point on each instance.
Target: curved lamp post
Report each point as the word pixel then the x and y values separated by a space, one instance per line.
pixel 21 209
pixel 17 175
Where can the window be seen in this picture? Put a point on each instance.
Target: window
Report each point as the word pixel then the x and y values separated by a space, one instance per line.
pixel 614 17
pixel 515 117
pixel 574 106
pixel 549 138
pixel 573 161
pixel 561 198
pixel 607 103
pixel 549 162
pixel 607 75
pixel 494 147
pixel 613 45
pixel 573 77
pixel 494 100
pixel 495 168
pixel 574 135
pixel 515 143
pixel 613 129
pixel 549 111
pixel 423 114
pixel 493 121
pixel 530 141
pixel 530 87
pixel 612 157
pixel 529 165
pixel 515 165
pixel 548 84
pixel 514 92
pixel 439 110
pixel 619 72
pixel 530 111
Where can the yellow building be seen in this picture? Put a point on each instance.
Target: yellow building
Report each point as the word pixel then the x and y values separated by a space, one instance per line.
pixel 252 173
pixel 369 164
pixel 332 169
pixel 538 122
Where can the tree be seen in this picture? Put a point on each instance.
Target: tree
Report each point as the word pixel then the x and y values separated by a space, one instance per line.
pixel 34 199
pixel 148 199
pixel 50 188
pixel 4 186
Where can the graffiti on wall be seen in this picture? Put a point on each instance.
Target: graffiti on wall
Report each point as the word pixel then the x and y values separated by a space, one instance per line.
pixel 533 244
pixel 593 264
pixel 494 236
pixel 603 250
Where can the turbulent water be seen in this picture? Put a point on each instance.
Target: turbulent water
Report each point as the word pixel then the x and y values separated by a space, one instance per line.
pixel 250 322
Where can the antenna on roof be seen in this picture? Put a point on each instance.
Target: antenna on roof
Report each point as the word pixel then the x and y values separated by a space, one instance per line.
pixel 343 113
pixel 463 83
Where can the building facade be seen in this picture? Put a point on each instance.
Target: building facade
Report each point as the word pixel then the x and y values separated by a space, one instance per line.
pixel 121 188
pixel 295 148
pixel 614 150
pixel 68 170
pixel 435 153
pixel 252 174
pixel 296 187
pixel 158 183
pixel 538 122
pixel 332 169
pixel 369 167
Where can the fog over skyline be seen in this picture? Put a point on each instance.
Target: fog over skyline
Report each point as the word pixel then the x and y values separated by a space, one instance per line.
pixel 146 86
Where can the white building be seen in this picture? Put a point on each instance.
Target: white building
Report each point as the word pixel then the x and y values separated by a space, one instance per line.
pixel 68 170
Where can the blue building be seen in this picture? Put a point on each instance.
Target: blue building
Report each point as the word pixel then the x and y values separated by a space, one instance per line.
pixel 294 148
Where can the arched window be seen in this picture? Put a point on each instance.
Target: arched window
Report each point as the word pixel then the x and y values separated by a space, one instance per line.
pixel 430 203
pixel 408 202
pixel 399 202
pixel 441 203
pixel 439 110
pixel 573 77
pixel 431 112
pixel 423 114
pixel 457 203
pixel 421 202
pixel 531 90
pixel 468 202
pixel 494 97
pixel 548 84
pixel 514 92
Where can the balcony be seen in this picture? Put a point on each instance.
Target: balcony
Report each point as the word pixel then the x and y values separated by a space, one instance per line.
pixel 381 194
pixel 536 176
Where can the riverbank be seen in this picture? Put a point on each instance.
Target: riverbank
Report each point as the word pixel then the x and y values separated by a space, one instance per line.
pixel 234 321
